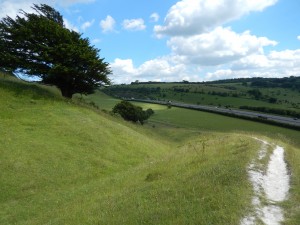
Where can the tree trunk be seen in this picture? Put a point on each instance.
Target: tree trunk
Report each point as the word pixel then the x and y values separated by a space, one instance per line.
pixel 67 93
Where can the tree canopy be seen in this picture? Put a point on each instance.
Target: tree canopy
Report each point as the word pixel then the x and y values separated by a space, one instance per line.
pixel 38 44
pixel 131 112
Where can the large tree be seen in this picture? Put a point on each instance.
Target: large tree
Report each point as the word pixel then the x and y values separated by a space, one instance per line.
pixel 38 44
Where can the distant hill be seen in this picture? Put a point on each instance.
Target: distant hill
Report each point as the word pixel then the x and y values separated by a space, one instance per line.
pixel 275 95
pixel 286 82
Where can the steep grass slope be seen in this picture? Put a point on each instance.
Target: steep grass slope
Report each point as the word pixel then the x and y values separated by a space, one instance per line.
pixel 50 147
pixel 66 164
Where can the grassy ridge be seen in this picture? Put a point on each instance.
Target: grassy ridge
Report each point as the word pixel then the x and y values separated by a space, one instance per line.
pixel 66 164
pixel 50 146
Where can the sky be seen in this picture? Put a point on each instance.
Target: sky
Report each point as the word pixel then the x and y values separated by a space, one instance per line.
pixel 175 40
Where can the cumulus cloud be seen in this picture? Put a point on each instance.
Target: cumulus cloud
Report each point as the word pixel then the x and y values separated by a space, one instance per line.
pixel 252 62
pixel 12 7
pixel 87 24
pixel 159 69
pixel 222 45
pixel 108 25
pixel 95 41
pixel 197 37
pixel 275 64
pixel 134 24
pixel 298 37
pixel 154 17
pixel 70 2
pixel 189 17
pixel 70 26
pixel 175 68
pixel 229 74
pixel 288 59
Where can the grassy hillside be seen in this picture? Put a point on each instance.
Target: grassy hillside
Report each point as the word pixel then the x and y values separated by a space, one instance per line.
pixel 181 125
pixel 62 163
pixel 50 147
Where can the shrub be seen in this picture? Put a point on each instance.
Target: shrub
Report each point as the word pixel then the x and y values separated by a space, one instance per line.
pixel 131 112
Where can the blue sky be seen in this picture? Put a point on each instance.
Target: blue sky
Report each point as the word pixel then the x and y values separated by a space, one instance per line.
pixel 196 40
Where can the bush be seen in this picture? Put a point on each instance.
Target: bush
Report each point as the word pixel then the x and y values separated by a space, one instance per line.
pixel 131 112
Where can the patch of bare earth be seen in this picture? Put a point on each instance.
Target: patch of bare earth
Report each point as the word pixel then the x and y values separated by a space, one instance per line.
pixel 271 183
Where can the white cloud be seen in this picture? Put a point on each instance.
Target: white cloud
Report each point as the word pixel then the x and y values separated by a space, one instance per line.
pixel 95 41
pixel 275 64
pixel 230 74
pixel 11 7
pixel 154 17
pixel 298 37
pixel 285 55
pixel 70 26
pixel 134 24
pixel 220 46
pixel 173 68
pixel 87 24
pixel 123 66
pixel 189 17
pixel 252 62
pixel 108 25
pixel 70 2
pixel 160 69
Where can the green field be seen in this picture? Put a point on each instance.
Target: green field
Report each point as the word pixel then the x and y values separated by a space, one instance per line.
pixel 197 121
pixel 223 94
pixel 67 162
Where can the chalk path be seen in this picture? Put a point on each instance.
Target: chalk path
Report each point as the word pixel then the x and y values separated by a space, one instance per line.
pixel 270 185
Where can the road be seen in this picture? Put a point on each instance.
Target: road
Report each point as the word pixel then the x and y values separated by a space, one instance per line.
pixel 237 112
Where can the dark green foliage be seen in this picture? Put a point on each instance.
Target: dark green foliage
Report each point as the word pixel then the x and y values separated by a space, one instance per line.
pixel 283 112
pixel 131 112
pixel 286 82
pixel 179 89
pixel 291 82
pixel 39 45
pixel 273 100
pixel 255 93
pixel 150 112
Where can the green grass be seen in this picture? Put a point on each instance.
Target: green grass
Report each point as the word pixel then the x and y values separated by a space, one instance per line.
pixel 168 121
pixel 203 94
pixel 64 163
pixel 179 125
pixel 50 149
pixel 100 99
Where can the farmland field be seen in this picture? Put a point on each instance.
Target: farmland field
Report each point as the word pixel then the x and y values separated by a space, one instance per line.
pixel 222 93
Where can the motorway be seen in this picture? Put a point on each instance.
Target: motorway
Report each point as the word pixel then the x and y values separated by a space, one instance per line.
pixel 234 112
